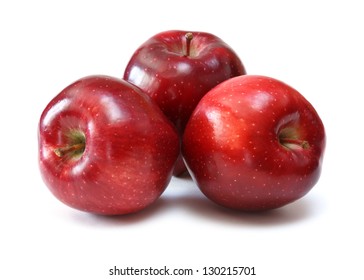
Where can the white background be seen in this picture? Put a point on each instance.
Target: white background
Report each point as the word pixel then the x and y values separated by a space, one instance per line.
pixel 315 46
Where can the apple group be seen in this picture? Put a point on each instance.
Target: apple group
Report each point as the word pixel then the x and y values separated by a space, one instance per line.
pixel 185 103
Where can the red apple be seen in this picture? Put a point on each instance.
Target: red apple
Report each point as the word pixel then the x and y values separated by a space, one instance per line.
pixel 176 68
pixel 105 147
pixel 254 143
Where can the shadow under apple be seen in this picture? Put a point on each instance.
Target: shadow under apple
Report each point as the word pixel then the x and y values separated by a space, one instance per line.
pixel 189 199
pixel 295 212
pixel 118 220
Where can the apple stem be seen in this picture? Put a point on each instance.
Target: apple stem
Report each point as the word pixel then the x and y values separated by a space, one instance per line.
pixel 189 37
pixel 292 142
pixel 71 149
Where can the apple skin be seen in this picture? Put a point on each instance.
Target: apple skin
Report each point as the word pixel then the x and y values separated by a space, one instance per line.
pixel 177 78
pixel 128 153
pixel 254 143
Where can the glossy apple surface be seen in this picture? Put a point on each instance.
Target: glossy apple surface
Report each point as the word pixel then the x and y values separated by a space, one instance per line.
pixel 176 68
pixel 105 147
pixel 254 143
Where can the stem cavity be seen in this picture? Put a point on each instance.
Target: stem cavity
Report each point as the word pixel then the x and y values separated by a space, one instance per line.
pixel 289 138
pixel 75 147
pixel 71 150
pixel 292 143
